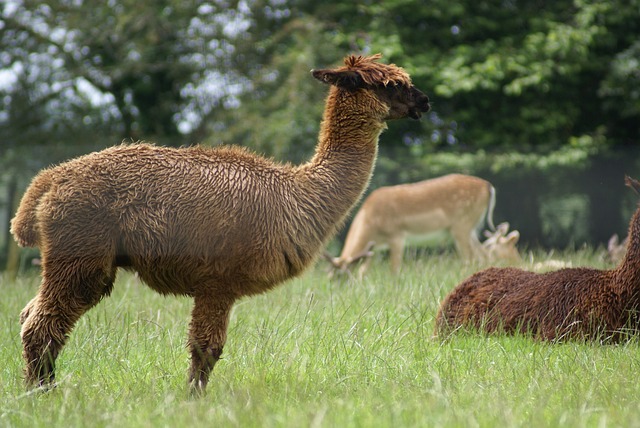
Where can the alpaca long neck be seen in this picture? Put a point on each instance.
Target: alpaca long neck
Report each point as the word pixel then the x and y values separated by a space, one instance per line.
pixel 629 269
pixel 341 168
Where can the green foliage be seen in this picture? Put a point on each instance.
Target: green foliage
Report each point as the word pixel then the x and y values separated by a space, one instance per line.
pixel 620 89
pixel 502 75
pixel 131 69
pixel 318 353
pixel 281 113
pixel 525 77
pixel 520 91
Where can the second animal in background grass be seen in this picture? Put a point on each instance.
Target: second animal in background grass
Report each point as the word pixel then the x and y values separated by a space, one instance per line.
pixel 577 303
pixel 455 203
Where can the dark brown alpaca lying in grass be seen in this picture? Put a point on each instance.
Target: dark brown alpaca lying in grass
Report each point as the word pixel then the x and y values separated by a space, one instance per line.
pixel 214 224
pixel 577 303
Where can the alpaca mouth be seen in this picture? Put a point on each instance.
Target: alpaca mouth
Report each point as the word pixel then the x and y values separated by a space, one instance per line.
pixel 416 114
pixel 422 106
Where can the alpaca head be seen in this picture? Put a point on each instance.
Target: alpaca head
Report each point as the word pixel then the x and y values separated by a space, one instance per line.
pixel 390 84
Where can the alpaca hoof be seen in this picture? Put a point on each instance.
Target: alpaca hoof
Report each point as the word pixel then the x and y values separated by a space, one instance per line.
pixel 45 387
pixel 44 383
pixel 197 387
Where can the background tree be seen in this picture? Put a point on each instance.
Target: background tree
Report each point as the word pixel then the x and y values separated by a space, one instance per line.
pixel 540 97
pixel 136 68
pixel 539 94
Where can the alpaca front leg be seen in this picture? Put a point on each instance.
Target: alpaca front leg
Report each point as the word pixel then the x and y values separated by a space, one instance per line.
pixel 207 336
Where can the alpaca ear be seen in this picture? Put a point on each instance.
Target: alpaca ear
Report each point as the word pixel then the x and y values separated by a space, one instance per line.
pixel 349 80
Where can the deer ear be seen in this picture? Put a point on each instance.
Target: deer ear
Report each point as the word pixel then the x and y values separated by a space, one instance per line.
pixel 503 228
pixel 513 237
pixel 613 241
pixel 349 80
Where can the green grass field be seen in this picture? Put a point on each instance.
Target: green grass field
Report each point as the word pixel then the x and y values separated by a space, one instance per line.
pixel 317 353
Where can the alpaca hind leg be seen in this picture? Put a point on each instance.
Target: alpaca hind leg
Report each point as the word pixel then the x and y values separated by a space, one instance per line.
pixel 207 336
pixel 67 291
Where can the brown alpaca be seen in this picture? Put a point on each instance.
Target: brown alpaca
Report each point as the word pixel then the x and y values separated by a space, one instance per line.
pixel 213 224
pixel 575 303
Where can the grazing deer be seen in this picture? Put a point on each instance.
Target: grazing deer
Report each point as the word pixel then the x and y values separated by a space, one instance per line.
pixel 456 203
pixel 500 246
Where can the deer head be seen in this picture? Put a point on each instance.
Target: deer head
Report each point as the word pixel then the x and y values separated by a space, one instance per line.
pixel 340 267
pixel 500 245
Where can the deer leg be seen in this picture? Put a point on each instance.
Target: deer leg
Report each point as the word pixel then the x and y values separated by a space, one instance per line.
pixel 207 336
pixel 396 251
pixel 364 267
pixel 462 237
pixel 69 288
pixel 477 252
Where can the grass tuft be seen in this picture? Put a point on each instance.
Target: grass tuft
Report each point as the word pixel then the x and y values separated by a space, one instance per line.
pixel 318 353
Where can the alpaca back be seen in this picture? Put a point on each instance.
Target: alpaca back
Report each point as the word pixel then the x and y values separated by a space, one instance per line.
pixel 552 305
pixel 167 212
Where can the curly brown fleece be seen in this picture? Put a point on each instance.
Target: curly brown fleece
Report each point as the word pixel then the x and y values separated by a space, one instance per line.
pixel 214 224
pixel 578 303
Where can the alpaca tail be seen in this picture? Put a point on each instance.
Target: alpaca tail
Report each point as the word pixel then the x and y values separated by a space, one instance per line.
pixel 24 226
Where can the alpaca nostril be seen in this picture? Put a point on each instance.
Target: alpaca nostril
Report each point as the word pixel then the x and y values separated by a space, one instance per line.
pixel 423 103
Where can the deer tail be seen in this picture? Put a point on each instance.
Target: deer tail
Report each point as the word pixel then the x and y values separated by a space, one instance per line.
pixel 491 207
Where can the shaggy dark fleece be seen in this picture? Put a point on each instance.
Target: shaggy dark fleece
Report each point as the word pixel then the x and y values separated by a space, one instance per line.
pixel 578 303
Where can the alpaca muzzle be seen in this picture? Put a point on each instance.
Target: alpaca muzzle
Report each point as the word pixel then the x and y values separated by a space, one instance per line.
pixel 421 104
